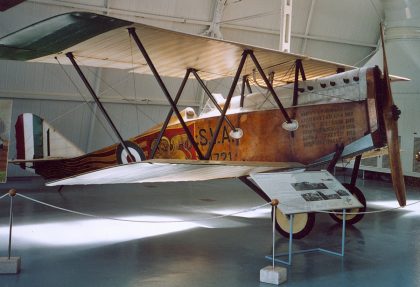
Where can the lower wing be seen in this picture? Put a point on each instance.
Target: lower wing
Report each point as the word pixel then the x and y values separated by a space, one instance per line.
pixel 172 171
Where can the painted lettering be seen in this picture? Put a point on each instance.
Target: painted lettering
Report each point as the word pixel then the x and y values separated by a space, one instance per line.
pixel 327 126
pixel 225 134
pixel 203 138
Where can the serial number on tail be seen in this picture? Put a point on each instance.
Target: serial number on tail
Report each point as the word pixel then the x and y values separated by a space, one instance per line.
pixel 221 156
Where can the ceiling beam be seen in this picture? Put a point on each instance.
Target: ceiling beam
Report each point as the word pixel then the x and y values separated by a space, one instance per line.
pixel 308 25
pixel 334 40
pixel 214 29
pixel 121 12
pixel 142 15
pixel 285 25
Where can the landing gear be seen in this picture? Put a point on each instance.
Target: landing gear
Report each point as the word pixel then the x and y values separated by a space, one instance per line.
pixel 353 215
pixel 302 224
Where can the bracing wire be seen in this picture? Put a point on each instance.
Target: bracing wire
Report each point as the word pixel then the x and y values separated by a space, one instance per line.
pixel 121 95
pixel 134 83
pixel 84 98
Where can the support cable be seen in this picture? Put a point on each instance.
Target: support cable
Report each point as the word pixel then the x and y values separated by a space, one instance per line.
pixel 227 103
pixel 124 98
pixel 270 87
pixel 86 100
pixel 200 81
pixel 99 104
pixel 134 82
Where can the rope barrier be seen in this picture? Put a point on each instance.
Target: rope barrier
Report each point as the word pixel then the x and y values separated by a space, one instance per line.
pixel 201 219
pixel 140 221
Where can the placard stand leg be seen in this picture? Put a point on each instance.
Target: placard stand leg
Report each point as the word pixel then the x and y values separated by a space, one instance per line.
pixel 290 252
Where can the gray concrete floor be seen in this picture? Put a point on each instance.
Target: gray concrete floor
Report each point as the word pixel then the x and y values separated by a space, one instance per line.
pixel 62 249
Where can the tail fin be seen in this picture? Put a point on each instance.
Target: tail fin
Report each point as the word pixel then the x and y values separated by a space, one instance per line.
pixel 36 139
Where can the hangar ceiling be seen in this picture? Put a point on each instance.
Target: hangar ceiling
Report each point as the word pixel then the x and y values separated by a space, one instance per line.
pixel 320 28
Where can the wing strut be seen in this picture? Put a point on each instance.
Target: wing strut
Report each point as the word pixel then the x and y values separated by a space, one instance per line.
pixel 170 113
pixel 270 87
pixel 255 188
pixel 173 104
pixel 244 78
pixel 356 168
pixel 227 103
pixel 98 102
pixel 298 69
pixel 177 97
pixel 339 148
pixel 132 32
pixel 245 81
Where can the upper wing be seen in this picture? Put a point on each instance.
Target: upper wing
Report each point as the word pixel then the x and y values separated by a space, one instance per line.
pixel 101 41
pixel 172 171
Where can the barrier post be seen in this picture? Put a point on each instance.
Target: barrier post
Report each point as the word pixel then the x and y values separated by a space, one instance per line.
pixel 272 274
pixel 9 264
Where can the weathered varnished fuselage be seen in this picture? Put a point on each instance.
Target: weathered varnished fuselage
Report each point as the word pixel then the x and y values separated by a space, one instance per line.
pixel 321 128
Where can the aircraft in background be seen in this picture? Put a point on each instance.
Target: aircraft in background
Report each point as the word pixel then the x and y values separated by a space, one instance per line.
pixel 314 112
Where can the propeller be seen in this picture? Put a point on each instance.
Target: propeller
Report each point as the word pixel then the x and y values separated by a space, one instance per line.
pixel 390 115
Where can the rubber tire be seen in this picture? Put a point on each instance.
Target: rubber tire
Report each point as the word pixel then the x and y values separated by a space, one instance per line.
pixel 352 219
pixel 302 224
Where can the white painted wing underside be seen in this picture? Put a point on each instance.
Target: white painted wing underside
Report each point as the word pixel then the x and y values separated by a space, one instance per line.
pixel 168 172
pixel 174 52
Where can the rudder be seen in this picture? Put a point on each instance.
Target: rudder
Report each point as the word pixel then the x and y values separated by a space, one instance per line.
pixel 36 139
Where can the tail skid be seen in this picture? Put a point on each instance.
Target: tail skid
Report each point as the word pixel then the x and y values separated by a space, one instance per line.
pixel 38 140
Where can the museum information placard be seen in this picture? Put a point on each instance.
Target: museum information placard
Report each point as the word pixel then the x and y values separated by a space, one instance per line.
pixel 305 191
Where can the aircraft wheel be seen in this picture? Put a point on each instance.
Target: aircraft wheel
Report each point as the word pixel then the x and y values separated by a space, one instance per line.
pixel 302 224
pixel 135 150
pixel 352 218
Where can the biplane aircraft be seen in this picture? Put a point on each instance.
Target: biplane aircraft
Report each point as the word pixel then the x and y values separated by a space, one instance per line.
pixel 315 112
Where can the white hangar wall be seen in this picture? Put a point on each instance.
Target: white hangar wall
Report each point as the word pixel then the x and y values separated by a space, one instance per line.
pixel 342 31
pixel 402 42
pixel 403 46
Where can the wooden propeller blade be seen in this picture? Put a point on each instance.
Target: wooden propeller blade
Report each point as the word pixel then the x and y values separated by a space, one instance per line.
pixel 391 127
